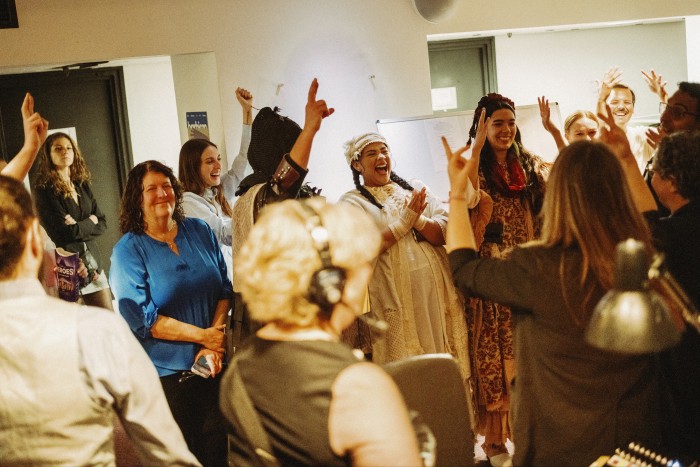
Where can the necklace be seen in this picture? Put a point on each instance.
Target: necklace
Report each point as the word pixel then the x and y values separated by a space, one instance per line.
pixel 168 237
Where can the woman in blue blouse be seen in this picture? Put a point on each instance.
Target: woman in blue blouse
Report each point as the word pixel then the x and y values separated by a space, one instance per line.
pixel 171 283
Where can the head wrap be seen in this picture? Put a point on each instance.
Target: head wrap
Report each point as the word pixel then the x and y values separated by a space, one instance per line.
pixel 353 148
pixel 272 136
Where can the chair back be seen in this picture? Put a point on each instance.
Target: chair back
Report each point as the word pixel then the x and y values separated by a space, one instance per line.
pixel 432 385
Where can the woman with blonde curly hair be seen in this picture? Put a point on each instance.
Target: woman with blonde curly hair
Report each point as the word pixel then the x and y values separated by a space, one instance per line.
pixel 304 270
pixel 69 212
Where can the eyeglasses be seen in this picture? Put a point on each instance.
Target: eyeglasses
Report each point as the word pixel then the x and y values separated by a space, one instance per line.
pixel 675 111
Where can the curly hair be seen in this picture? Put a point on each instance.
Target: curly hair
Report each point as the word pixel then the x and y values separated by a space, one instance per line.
pixel 190 162
pixel 534 187
pixel 279 257
pixel 678 157
pixel 131 208
pixel 48 177
pixel 16 214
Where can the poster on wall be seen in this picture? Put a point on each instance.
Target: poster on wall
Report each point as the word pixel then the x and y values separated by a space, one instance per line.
pixel 197 125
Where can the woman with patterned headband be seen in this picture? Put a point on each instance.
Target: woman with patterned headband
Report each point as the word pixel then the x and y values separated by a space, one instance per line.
pixel 515 180
pixel 410 288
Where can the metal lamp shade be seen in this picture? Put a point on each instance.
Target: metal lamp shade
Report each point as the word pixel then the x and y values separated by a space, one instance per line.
pixel 630 318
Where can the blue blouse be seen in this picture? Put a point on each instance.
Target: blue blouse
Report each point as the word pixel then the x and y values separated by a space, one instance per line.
pixel 148 279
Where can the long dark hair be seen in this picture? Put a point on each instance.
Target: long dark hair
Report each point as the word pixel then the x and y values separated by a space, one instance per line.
pixel 189 171
pixel 131 210
pixel 534 187
pixel 47 176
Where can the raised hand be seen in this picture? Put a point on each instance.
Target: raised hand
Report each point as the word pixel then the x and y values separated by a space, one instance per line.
pixel 458 169
pixel 316 110
pixel 245 98
pixel 545 114
pixel 480 137
pixel 611 78
pixel 35 127
pixel 656 84
pixel 653 137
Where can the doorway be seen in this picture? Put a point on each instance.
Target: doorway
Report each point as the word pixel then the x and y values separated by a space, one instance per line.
pixel 93 102
pixel 465 68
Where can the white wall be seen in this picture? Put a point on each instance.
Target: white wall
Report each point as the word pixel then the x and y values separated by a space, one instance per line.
pixel 150 96
pixel 197 90
pixel 565 65
pixel 261 43
pixel 692 39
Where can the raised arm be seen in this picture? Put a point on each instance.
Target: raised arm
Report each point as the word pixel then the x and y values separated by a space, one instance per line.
pixel 615 138
pixel 477 146
pixel 316 111
pixel 656 84
pixel 548 124
pixel 35 132
pixel 459 227
pixel 239 167
pixel 612 77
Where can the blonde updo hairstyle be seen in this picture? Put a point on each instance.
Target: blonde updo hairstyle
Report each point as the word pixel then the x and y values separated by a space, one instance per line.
pixel 278 259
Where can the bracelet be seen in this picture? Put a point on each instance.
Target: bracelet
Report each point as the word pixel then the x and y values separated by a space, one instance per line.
pixel 457 197
pixel 420 222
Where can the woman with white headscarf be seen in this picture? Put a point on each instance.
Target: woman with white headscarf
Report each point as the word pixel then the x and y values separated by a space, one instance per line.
pixel 411 288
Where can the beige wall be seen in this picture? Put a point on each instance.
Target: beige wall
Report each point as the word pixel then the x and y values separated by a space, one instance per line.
pixel 260 44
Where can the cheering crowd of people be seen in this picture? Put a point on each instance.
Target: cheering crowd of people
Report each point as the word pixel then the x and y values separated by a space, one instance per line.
pixel 239 294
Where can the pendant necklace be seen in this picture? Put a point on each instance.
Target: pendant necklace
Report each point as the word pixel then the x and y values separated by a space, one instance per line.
pixel 164 237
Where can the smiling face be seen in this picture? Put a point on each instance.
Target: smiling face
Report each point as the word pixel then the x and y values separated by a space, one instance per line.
pixel 583 129
pixel 374 164
pixel 62 153
pixel 210 167
pixel 621 103
pixel 501 130
pixel 158 196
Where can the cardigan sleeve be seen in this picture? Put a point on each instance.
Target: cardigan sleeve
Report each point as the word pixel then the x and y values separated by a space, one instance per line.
pixel 510 281
pixel 239 167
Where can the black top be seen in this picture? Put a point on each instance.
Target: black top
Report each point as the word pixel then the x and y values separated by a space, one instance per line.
pixel 289 384
pixel 678 237
pixel 53 209
pixel 571 402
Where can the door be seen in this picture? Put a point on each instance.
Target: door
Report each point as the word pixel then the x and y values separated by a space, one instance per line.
pixel 91 101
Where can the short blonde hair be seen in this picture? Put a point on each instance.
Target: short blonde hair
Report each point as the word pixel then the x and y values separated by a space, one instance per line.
pixel 278 259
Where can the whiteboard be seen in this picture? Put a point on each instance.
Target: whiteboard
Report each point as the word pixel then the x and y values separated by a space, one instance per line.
pixel 417 152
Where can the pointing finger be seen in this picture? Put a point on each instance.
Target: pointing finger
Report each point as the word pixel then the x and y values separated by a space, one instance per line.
pixel 27 106
pixel 312 91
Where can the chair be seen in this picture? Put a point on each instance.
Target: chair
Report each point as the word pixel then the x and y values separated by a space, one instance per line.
pixel 432 385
